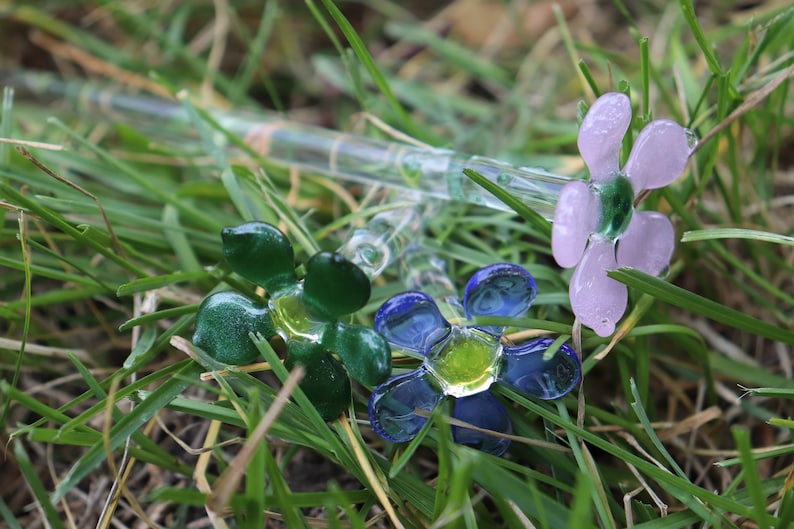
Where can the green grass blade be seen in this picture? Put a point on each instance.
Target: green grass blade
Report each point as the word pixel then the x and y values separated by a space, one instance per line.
pixel 737 233
pixel 452 52
pixel 7 516
pixel 681 488
pixel 584 461
pixel 639 411
pixel 498 482
pixel 410 449
pixel 581 513
pixel 58 221
pixel 645 68
pixel 159 315
pixel 531 216
pixel 786 511
pixel 255 50
pixel 752 479
pixel 690 301
pixel 37 487
pixel 283 497
pixel 587 75
pixel 187 210
pixel 154 282
pixel 704 43
pixel 37 407
pixel 6 124
pixel 377 77
pixel 124 428
pixel 256 475
pixel 27 296
pixel 177 238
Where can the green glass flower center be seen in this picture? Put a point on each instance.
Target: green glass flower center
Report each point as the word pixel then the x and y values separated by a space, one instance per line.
pixel 466 362
pixel 291 318
pixel 617 206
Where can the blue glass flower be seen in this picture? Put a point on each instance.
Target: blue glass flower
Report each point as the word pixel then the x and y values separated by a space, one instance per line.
pixel 464 361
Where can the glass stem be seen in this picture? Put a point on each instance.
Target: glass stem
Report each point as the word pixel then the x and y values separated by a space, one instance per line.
pixel 425 271
pixel 383 239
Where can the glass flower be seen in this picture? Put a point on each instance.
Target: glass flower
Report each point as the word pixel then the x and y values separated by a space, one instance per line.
pixel 304 313
pixel 464 361
pixel 595 224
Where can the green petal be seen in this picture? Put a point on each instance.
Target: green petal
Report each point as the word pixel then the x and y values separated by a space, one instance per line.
pixel 223 324
pixel 334 286
pixel 326 383
pixel 365 353
pixel 304 351
pixel 260 253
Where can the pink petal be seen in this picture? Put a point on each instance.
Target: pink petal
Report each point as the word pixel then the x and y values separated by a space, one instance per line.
pixel 601 134
pixel 648 243
pixel 659 155
pixel 575 218
pixel 596 299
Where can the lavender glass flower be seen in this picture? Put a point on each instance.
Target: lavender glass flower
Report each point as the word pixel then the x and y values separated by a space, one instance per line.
pixel 595 224
pixel 464 361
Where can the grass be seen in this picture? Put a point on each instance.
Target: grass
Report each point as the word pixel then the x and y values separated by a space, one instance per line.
pixel 110 239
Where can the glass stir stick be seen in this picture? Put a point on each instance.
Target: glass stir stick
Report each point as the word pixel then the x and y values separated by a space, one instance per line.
pixel 434 172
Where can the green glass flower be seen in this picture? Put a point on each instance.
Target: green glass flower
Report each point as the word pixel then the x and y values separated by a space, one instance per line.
pixel 305 313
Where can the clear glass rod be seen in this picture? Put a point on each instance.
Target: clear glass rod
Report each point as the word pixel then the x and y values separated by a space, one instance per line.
pixel 431 171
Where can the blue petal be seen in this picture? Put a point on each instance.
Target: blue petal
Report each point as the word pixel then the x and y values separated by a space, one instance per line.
pixel 525 368
pixel 484 411
pixel 501 289
pixel 393 405
pixel 411 320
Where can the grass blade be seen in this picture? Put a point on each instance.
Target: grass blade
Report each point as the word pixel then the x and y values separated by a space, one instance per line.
pixel 752 479
pixel 377 77
pixel 737 233
pixel 156 400
pixel 664 291
pixel 688 10
pixel 37 487
pixel 534 218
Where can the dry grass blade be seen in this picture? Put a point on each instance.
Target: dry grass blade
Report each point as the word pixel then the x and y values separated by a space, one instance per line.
pixel 377 488
pixel 93 64
pixel 662 506
pixel 230 479
pixel 517 438
pixel 195 451
pixel 250 368
pixel 32 159
pixel 200 474
pixel 691 423
pixel 45 350
pixel 751 101
pixel 599 485
pixel 33 144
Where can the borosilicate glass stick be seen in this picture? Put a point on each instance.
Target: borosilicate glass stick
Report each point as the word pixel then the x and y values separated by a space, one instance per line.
pixel 434 172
